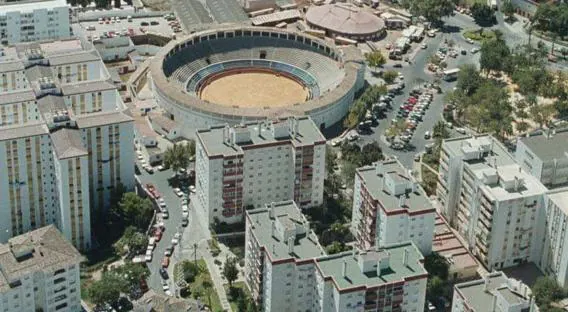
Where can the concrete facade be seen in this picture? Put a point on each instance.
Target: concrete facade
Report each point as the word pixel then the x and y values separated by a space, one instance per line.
pixel 287 269
pixel 258 163
pixel 390 207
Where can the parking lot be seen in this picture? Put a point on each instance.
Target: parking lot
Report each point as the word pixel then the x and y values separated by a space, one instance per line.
pixel 138 25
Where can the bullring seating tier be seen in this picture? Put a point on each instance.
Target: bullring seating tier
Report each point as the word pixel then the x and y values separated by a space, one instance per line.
pixel 186 62
pixel 308 80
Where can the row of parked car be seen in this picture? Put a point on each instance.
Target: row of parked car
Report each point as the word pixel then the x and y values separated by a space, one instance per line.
pixel 412 111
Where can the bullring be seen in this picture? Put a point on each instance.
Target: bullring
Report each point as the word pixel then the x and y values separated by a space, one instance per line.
pixel 282 73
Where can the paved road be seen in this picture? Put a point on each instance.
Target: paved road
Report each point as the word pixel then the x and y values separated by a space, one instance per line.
pixel 173 224
pixel 415 74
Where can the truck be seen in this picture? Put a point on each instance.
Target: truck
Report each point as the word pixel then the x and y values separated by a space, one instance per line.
pixel 451 74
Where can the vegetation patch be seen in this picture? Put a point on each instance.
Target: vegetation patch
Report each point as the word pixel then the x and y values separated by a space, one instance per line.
pixel 479 34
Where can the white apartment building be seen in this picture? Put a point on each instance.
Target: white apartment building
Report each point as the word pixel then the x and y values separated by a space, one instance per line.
pixel 287 270
pixel 64 137
pixel 545 157
pixel 554 257
pixel 497 205
pixel 390 207
pixel 493 293
pixel 29 20
pixel 39 271
pixel 257 163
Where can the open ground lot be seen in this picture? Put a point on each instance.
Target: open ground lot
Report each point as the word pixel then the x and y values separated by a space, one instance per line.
pixel 161 27
pixel 254 89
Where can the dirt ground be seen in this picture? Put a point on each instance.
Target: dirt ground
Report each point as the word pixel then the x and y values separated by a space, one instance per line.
pixel 158 5
pixel 254 90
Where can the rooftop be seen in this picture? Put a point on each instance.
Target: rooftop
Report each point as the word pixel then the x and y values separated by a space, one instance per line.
pixel 102 118
pixel 29 6
pixel 344 18
pixel 548 147
pixel 86 87
pixel 363 269
pixel 390 183
pixel 23 131
pixel 274 225
pixel 479 294
pixel 217 142
pixel 508 182
pixel 560 198
pixel 44 249
pixel 67 143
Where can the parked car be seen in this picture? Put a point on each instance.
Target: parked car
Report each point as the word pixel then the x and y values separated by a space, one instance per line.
pixel 154 23
pixel 178 192
pixel 461 130
pixel 144 24
pixel 165 262
pixel 192 188
pixel 158 235
pixel 166 289
pixel 148 256
pixel 427 135
pixel 164 273
pixel 176 238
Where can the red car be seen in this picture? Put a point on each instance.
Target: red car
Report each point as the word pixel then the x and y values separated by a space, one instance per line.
pixel 158 235
pixel 412 100
pixel 165 262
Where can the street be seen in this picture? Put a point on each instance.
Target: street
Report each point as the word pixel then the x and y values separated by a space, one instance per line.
pixel 193 233
pixel 416 74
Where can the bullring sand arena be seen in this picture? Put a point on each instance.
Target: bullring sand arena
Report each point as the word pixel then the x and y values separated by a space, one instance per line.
pixel 254 89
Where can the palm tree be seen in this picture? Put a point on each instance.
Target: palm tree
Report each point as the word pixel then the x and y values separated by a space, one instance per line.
pixel 178 156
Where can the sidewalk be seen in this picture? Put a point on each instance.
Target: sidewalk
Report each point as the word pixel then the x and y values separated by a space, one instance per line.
pixel 217 281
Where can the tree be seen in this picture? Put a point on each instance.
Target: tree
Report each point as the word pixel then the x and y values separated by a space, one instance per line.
pixel 432 10
pixel 495 55
pixel 128 275
pixel 546 290
pixel 370 153
pixel 396 128
pixel 541 114
pixel 334 248
pixel 330 160
pixel 483 14
pixel 190 271
pixel 508 9
pixel 440 131
pixel 135 211
pixel 522 126
pixel 178 156
pixel 230 270
pixel 105 290
pixel 435 287
pixel 117 4
pixel 375 59
pixel 468 79
pixel 241 304
pixel 390 76
pixel 561 106
pixel 437 265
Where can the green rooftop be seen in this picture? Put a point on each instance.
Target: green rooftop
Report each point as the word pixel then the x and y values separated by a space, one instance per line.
pixel 273 229
pixel 388 181
pixel 479 294
pixel 361 268
pixel 224 140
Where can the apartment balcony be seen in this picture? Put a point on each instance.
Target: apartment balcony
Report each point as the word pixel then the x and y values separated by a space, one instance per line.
pixel 233 189
pixel 483 222
pixel 230 173
pixel 233 165
pixel 227 213
pixel 481 247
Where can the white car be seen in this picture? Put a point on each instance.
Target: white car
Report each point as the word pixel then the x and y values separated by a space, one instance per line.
pixel 335 142
pixel 424 46
pixel 166 289
pixel 140 157
pixel 161 168
pixel 184 208
pixel 185 215
pixel 474 50
pixel 149 169
pixel 460 130
pixel 148 256
pixel 176 238
pixel 469 40
pixel 165 214
pixel 192 188
pixel 178 192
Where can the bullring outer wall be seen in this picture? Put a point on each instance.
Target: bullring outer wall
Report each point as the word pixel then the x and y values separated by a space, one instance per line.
pixel 191 113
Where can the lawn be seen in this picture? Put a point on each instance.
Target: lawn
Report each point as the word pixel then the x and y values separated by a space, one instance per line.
pixel 194 287
pixel 479 34
pixel 239 289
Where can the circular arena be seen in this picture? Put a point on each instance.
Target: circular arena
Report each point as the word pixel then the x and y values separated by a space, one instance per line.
pixel 239 74
pixel 345 20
